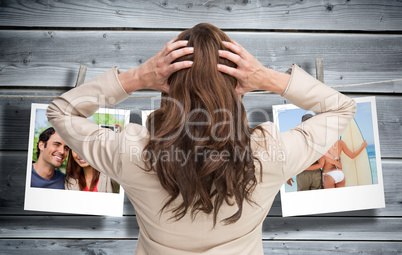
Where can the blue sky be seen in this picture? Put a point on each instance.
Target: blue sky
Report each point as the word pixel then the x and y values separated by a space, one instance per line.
pixel 364 120
pixel 41 119
pixel 290 118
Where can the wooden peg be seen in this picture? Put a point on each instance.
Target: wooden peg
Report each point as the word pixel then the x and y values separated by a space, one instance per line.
pixel 81 75
pixel 319 69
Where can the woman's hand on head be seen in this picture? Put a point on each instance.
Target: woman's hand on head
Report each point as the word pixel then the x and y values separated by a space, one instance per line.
pixel 154 73
pixel 250 73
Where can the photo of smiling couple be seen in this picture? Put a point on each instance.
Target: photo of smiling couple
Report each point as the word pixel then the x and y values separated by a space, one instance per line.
pixel 56 166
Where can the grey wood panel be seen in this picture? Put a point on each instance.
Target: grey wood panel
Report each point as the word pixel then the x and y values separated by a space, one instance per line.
pixel 121 247
pixel 68 227
pixel 275 228
pixel 66 247
pixel 233 14
pixel 331 247
pixel 13 174
pixel 52 58
pixel 15 117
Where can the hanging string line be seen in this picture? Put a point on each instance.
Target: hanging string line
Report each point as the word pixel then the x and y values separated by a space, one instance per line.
pixel 337 86
pixel 366 83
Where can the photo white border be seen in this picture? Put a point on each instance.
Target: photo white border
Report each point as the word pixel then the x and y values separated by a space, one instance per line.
pixel 341 199
pixel 70 201
pixel 144 116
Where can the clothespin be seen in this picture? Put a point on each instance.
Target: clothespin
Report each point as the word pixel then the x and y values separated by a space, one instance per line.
pixel 319 69
pixel 81 75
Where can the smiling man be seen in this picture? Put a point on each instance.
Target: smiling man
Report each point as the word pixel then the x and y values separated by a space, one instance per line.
pixel 51 153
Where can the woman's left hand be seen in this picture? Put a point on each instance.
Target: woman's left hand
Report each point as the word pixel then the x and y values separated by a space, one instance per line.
pixel 250 73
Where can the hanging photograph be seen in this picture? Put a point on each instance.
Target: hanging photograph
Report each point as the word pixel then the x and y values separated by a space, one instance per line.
pixel 59 180
pixel 347 177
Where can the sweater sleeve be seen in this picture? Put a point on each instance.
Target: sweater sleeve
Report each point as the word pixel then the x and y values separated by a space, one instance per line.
pixel 100 147
pixel 308 141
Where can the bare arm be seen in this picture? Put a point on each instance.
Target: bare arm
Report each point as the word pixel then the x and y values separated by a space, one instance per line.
pixel 329 159
pixel 348 152
pixel 318 165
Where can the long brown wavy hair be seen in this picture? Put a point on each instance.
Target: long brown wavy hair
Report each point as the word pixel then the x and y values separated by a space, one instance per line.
pixel 75 171
pixel 200 138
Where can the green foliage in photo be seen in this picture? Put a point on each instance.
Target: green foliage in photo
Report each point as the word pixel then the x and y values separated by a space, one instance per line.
pixel 107 119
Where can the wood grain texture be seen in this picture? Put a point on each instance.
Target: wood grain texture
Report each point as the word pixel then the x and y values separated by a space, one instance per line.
pixel 68 227
pixel 228 14
pixel 15 117
pixel 52 58
pixel 122 247
pixel 276 228
pixel 66 247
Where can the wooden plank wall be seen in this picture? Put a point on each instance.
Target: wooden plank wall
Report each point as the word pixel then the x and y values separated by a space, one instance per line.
pixel 42 44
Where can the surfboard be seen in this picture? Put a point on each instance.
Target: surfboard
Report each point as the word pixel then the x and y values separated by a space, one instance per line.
pixel 357 171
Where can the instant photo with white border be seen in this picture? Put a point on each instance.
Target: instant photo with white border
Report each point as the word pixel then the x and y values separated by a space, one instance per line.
pixel 329 200
pixel 69 201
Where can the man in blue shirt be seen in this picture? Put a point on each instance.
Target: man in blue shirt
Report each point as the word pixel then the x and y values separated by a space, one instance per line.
pixel 51 153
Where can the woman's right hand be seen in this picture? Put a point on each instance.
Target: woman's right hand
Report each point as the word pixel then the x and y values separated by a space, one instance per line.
pixel 250 73
pixel 154 73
